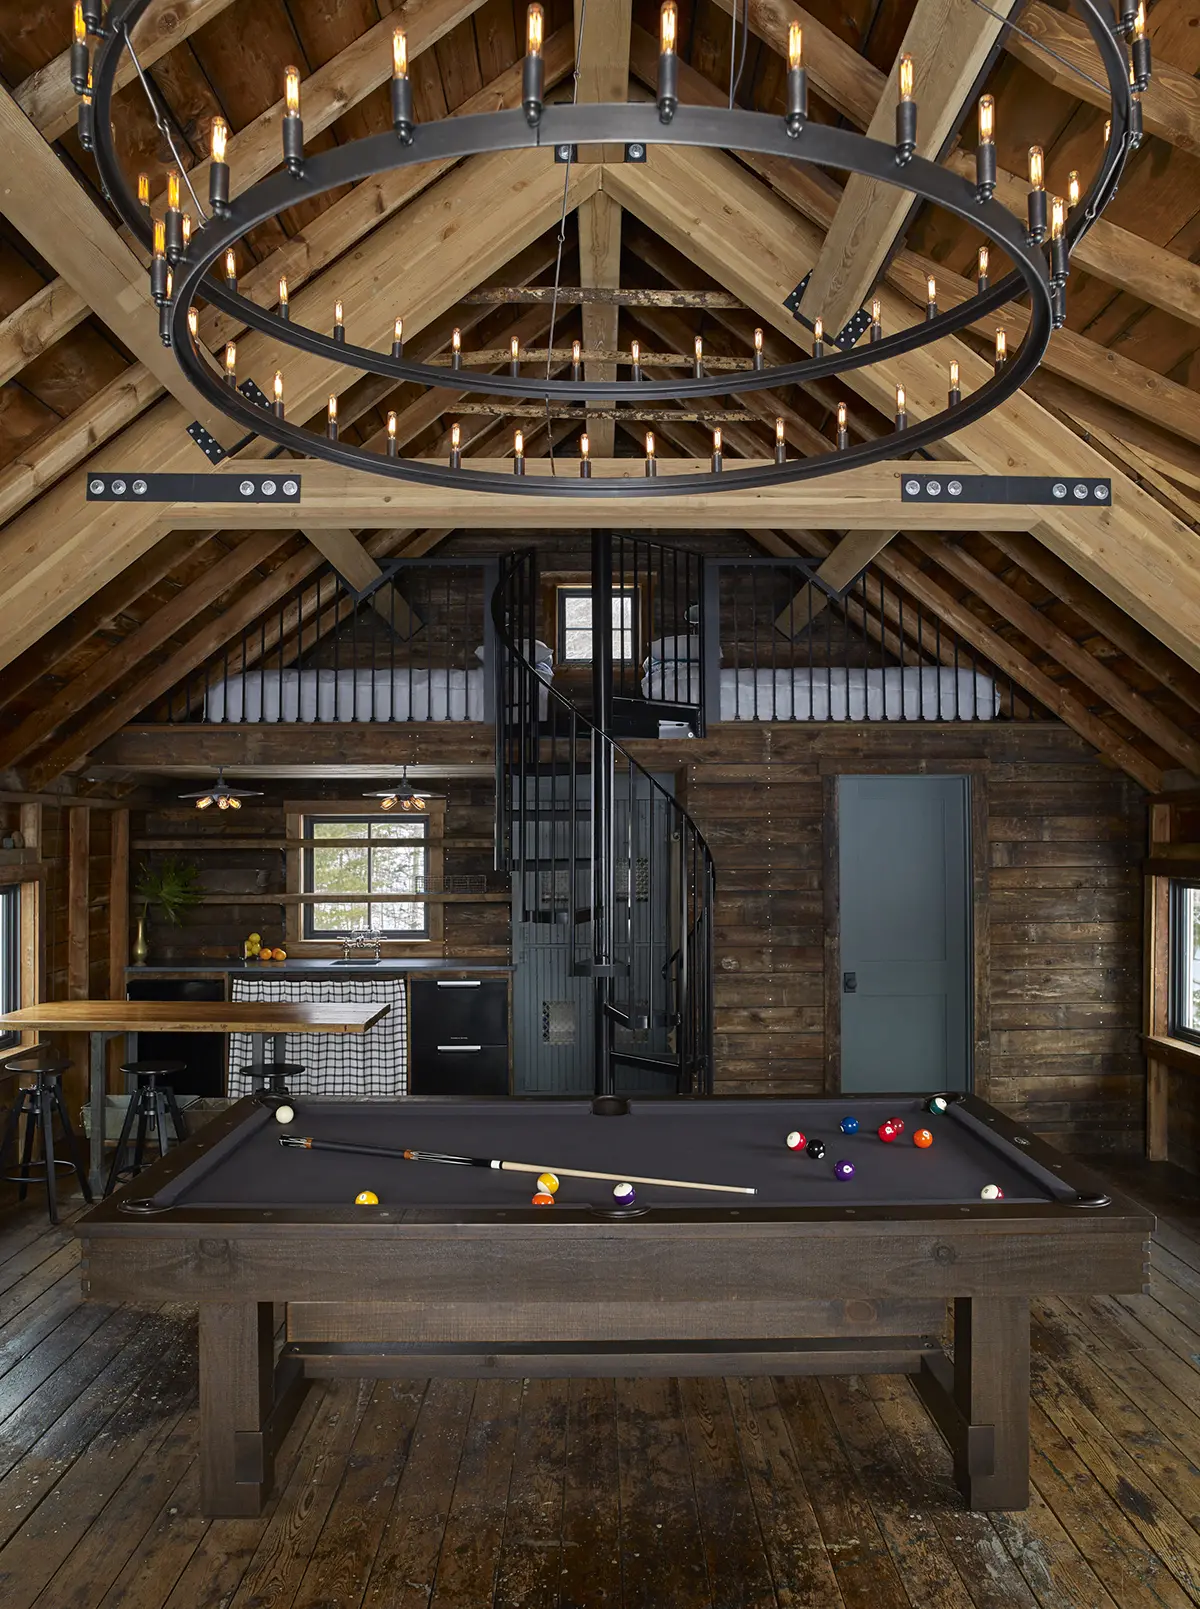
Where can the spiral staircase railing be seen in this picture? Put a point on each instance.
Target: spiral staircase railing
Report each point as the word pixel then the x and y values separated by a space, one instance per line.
pixel 598 846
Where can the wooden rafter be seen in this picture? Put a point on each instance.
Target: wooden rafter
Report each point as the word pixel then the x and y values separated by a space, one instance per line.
pixel 46 317
pixel 62 552
pixel 316 247
pixel 1170 105
pixel 61 221
pixel 754 244
pixel 853 552
pixel 51 105
pixel 949 42
pixel 1110 375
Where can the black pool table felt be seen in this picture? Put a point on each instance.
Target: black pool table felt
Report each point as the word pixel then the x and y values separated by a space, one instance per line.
pixel 728 1141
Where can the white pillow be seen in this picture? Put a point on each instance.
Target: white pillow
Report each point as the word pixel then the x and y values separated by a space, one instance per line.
pixel 542 653
pixel 674 648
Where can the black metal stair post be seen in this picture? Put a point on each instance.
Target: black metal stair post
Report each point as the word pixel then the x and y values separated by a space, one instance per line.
pixel 602 787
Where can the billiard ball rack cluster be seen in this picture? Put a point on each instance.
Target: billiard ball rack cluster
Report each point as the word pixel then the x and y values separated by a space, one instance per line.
pixel 888 1131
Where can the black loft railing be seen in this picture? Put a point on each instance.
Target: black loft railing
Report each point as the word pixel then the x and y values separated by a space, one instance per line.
pixel 414 646
pixel 601 854
pixel 773 644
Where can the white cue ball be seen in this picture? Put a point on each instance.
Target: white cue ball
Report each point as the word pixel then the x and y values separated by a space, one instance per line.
pixel 991 1192
pixel 284 1114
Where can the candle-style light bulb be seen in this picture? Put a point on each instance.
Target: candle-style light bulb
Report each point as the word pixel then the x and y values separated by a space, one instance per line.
pixel 284 310
pixel 585 445
pixel 985 151
pixel 1037 194
pixel 818 347
pixel 1107 131
pixel 187 230
pixel 1001 348
pixel 399 54
pixel 173 191
pixel 339 321
pixel 455 435
pixel 402 97
pixel 797 81
pixel 876 319
pixel 981 271
pixel 220 136
pixel 78 24
pixel 668 62
pixel 1059 261
pixel 533 71
pixel 293 127
pixel 519 453
pixel 1073 189
pixel 514 348
pixel 780 442
pixel 231 361
pixel 575 352
pixel 391 433
pixel 955 393
pixel 160 237
pixel 901 409
pixel 143 189
pixel 651 461
pixel 843 434
pixel 697 357
pixel 717 439
pixel 456 348
pixel 585 463
pixel 906 111
pixel 231 269
pixel 1139 21
pixel 193 323
pixel 1139 51
pixel 635 352
pixel 331 424
pixel 535 30
pixel 456 445
pixel 1058 217
pixel 291 91
pixel 930 296
pixel 278 385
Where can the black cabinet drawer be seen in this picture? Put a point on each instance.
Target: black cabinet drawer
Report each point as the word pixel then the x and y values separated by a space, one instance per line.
pixel 464 1070
pixel 452 1011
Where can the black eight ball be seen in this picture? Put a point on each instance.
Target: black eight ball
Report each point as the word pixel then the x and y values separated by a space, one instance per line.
pixel 815 1149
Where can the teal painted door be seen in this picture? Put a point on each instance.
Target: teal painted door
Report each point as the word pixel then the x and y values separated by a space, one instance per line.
pixel 905 959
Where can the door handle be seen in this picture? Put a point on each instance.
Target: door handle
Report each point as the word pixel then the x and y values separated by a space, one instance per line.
pixel 460 1047
pixel 460 983
pixel 849 982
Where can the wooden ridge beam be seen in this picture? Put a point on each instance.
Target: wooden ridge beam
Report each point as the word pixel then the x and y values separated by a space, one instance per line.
pixel 46 96
pixel 1093 673
pixel 316 247
pixel 1170 104
pixel 949 42
pixel 464 228
pixel 754 244
pixel 59 219
pixel 48 315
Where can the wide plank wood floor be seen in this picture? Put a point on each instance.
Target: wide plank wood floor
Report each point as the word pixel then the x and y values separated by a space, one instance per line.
pixel 737 1494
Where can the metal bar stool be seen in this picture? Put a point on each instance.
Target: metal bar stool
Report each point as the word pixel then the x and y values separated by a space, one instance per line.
pixel 271 1078
pixel 39 1103
pixel 152 1102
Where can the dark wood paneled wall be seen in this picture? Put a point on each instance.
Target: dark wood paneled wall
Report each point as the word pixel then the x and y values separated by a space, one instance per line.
pixel 217 931
pixel 1058 913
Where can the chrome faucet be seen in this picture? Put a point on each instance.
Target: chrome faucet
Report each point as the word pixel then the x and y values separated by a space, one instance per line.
pixel 360 939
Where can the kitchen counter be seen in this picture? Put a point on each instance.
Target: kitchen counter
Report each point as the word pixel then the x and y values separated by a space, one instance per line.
pixel 390 965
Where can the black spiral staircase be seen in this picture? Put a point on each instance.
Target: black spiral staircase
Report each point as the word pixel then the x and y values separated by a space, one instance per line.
pixel 597 847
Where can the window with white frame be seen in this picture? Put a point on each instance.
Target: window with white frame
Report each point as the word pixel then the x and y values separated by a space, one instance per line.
pixel 575 624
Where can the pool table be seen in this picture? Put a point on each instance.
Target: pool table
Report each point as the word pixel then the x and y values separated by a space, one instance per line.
pixel 456 1272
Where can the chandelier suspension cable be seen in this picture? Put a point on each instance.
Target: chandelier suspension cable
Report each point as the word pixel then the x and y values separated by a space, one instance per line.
pixel 1039 44
pixel 159 115
pixel 562 236
pixel 187 269
pixel 735 83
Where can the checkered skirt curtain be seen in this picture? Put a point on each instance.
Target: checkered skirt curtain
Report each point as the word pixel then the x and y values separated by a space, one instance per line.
pixel 374 1063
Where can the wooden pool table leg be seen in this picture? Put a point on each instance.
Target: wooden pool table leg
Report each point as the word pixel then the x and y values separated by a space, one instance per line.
pixel 981 1401
pixel 246 1406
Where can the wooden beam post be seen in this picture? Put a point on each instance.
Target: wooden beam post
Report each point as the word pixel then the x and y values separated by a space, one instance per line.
pixel 1156 939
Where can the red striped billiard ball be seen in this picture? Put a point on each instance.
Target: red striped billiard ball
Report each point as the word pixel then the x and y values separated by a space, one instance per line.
pixel 796 1141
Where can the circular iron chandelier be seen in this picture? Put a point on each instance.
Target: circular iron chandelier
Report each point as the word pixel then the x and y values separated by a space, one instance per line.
pixel 184 260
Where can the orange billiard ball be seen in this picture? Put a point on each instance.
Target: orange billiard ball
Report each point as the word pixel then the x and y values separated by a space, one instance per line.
pixel 543 1199
pixel 923 1138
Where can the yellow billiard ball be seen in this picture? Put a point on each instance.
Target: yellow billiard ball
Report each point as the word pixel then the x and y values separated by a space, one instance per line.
pixel 366 1198
pixel 547 1183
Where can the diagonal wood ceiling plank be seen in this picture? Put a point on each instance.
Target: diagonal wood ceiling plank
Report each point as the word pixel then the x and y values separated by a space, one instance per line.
pixel 46 317
pixel 853 552
pixel 949 42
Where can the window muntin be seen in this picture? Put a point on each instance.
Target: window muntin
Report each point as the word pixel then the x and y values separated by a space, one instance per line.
pixel 1185 961
pixel 575 624
pixel 388 857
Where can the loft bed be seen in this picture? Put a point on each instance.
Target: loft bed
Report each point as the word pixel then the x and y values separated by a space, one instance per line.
pixel 768 643
pixel 415 646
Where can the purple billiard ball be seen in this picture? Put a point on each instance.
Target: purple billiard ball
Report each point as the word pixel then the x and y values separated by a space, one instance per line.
pixel 843 1170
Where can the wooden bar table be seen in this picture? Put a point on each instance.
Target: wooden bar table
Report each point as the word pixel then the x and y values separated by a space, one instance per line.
pixel 103 1020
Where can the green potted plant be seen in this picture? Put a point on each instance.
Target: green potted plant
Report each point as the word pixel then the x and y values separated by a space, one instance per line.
pixel 174 886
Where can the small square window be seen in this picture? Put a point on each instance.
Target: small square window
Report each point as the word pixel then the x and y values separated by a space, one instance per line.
pixel 384 857
pixel 575 624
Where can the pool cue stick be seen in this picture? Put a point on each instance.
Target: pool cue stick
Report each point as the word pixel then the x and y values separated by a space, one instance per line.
pixel 309 1144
